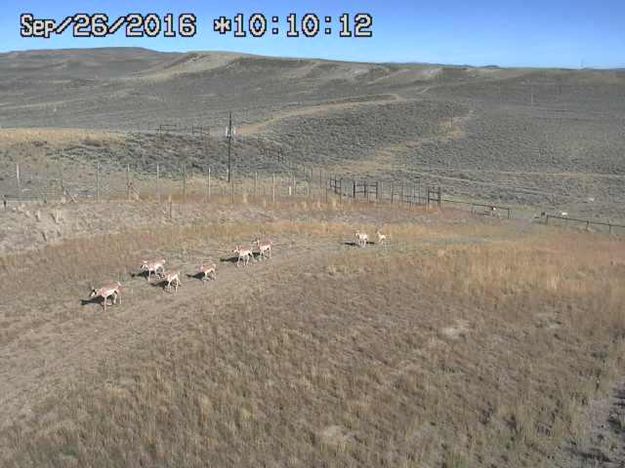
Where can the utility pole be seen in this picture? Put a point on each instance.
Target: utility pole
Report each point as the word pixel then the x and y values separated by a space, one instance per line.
pixel 229 136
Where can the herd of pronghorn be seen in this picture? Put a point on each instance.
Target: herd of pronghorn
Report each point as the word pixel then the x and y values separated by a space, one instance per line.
pixel 171 279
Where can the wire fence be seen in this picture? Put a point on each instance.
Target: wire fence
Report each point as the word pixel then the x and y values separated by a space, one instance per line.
pixel 31 185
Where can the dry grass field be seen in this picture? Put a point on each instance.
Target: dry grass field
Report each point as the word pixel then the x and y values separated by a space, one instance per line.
pixel 464 342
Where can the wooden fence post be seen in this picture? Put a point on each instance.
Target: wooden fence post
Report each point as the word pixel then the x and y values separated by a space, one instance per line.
pixel 171 203
pixel 392 192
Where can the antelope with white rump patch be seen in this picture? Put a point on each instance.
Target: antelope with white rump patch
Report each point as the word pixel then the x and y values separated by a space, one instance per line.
pixel 243 255
pixel 264 247
pixel 382 238
pixel 361 238
pixel 156 266
pixel 207 271
pixel 172 277
pixel 110 290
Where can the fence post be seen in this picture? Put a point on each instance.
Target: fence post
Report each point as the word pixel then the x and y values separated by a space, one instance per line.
pixel 17 177
pixel 392 192
pixel 273 188
pixel 321 184
pixel 402 199
pixel 184 184
pixel 208 188
pixel 128 182
pixel 158 183
pixel 353 189
pixel 232 191
pixel 61 179
pixel 419 190
pixel 97 183
pixel 326 195
pixel 170 206
pixel 255 183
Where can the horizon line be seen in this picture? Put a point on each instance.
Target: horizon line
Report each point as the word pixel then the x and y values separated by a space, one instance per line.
pixel 284 57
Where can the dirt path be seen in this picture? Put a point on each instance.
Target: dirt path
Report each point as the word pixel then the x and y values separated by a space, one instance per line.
pixel 259 127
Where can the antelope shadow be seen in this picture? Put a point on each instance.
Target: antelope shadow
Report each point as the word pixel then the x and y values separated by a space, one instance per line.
pixel 232 259
pixel 356 244
pixel 97 300
pixel 199 276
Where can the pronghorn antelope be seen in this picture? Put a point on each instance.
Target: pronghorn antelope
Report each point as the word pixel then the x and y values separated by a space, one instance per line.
pixel 156 266
pixel 110 290
pixel 361 238
pixel 172 277
pixel 382 238
pixel 207 271
pixel 264 247
pixel 243 254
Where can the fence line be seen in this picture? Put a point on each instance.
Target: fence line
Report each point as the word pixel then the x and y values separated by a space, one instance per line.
pixel 587 222
pixel 299 180
pixel 490 209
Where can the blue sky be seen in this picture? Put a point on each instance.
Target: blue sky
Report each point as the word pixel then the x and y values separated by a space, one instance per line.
pixel 484 32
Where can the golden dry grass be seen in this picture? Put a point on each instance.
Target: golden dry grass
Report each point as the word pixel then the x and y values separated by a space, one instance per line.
pixel 459 344
pixel 55 136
